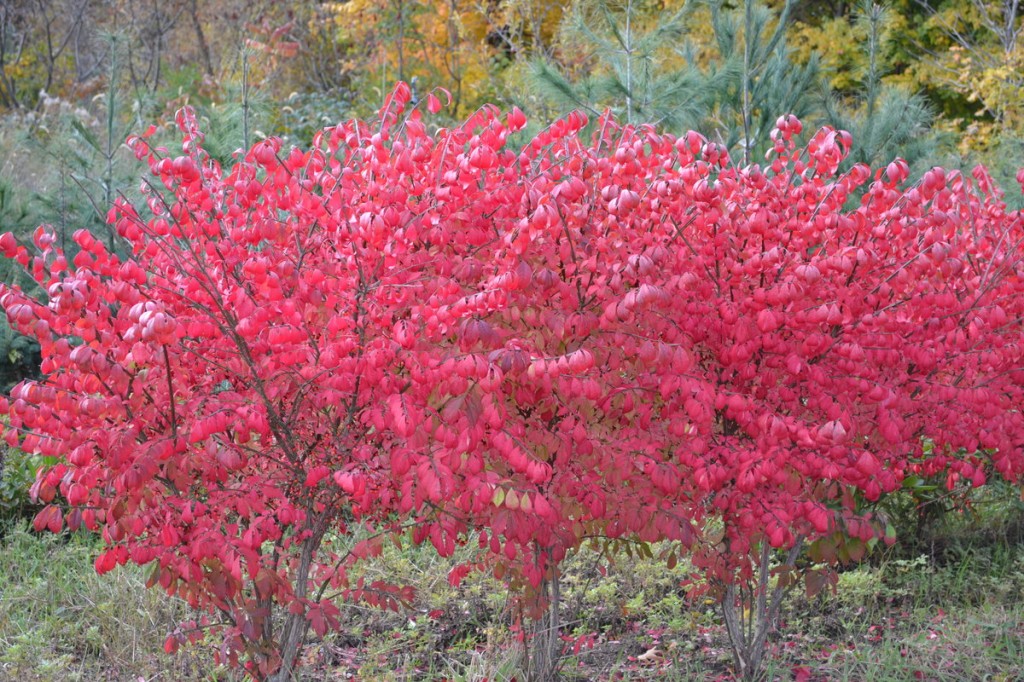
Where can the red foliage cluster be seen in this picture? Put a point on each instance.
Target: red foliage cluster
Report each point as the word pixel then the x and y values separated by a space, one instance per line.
pixel 617 338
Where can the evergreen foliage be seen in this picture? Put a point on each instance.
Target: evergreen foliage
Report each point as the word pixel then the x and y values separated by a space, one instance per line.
pixel 637 70
pixel 888 121
pixel 731 88
pixel 752 40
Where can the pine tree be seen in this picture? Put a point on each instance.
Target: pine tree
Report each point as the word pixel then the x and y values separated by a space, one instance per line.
pixel 662 69
pixel 84 166
pixel 886 120
pixel 636 69
pixel 751 44
pixel 234 121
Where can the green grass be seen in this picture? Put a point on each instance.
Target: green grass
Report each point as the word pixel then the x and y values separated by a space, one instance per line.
pixel 978 643
pixel 61 622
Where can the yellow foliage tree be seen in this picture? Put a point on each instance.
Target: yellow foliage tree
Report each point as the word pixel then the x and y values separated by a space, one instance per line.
pixel 977 53
pixel 461 45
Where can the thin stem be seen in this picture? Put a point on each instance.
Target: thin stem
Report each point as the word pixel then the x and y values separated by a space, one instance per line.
pixel 245 100
pixel 629 63
pixel 170 394
pixel 748 29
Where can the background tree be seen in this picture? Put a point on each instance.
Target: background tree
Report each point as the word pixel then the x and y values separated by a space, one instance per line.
pixel 728 83
pixel 449 44
pixel 887 120
pixel 629 61
pixel 983 58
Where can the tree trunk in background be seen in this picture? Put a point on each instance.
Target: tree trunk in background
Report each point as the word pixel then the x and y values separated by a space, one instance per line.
pixel 204 47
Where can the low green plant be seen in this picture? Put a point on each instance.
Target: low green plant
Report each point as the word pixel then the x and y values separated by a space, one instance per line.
pixel 17 472
pixel 60 622
pixel 306 113
pixel 974 644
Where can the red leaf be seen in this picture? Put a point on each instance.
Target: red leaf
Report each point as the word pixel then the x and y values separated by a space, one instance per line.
pixel 171 644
